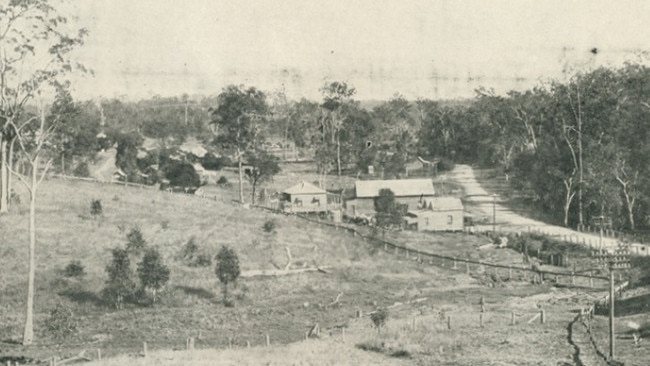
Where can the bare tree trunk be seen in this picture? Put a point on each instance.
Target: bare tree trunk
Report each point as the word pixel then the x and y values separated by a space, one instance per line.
pixel 28 335
pixel 567 200
pixel 629 205
pixel 241 177
pixel 4 207
pixel 253 195
pixel 338 155
pixel 10 165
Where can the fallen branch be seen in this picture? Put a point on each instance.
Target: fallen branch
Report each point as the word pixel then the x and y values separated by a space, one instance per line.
pixel 314 331
pixel 80 357
pixel 534 318
pixel 336 301
pixel 289 259
pixel 279 272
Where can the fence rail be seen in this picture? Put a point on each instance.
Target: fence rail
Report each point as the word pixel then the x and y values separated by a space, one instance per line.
pixel 452 261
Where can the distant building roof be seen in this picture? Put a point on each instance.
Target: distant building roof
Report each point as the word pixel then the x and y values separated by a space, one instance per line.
pixel 400 187
pixel 194 147
pixel 198 168
pixel 304 188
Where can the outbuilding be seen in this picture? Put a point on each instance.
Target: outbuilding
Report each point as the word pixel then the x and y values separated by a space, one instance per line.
pixel 437 214
pixel 304 197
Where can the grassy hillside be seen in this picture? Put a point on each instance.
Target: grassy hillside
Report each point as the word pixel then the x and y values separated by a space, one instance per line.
pixel 191 303
pixel 282 307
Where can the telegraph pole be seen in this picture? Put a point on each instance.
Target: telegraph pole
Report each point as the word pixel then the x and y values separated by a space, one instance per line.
pixel 619 259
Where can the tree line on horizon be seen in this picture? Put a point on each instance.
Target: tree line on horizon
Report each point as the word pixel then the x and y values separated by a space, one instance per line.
pixel 577 147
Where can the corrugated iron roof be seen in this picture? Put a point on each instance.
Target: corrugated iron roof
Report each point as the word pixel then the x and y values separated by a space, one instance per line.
pixel 400 187
pixel 304 188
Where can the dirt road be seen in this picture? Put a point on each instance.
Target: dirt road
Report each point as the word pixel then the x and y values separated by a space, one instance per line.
pixel 488 209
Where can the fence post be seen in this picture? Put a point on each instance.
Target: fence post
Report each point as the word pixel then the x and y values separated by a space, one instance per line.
pixel 512 318
pixel 268 340
pixel 99 353
pixel 248 344
pixel 467 267
pixel 543 316
pixel 480 319
pixel 509 273
pixel 448 321
pixel 455 263
pixel 144 349
pixel 591 279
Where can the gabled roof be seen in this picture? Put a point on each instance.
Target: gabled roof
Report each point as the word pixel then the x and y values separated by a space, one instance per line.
pixel 400 187
pixel 304 188
pixel 444 204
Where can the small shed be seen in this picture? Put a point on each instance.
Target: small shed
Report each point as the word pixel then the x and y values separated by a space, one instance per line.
pixel 304 197
pixel 437 214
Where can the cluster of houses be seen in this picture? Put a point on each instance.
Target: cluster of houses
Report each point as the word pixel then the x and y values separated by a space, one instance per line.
pixel 424 210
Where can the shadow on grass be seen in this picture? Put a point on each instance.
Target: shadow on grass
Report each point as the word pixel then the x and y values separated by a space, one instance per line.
pixel 84 297
pixel 198 292
pixel 633 305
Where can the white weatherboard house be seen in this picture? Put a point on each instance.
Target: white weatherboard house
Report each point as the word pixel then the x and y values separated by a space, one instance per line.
pixel 304 197
pixel 437 214
pixel 408 192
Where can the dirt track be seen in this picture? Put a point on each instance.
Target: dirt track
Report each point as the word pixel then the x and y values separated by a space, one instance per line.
pixel 508 221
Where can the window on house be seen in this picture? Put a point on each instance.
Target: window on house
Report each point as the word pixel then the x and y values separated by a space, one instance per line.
pixel 450 220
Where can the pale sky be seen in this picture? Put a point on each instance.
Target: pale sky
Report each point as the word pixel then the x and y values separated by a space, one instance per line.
pixel 430 49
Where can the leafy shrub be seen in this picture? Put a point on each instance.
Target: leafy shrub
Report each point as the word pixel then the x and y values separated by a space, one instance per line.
pixel 96 208
pixel 120 284
pixel 223 182
pixel 164 224
pixel 135 242
pixel 183 175
pixel 371 346
pixel 445 165
pixel 74 269
pixel 401 353
pixel 82 170
pixel 227 270
pixel 269 226
pixel 153 273
pixel 202 260
pixel 212 162
pixel 190 249
pixel 61 323
pixel 379 318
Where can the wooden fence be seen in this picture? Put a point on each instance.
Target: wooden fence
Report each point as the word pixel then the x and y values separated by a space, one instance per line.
pixel 468 265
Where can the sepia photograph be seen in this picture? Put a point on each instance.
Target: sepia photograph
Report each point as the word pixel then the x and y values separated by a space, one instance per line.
pixel 302 182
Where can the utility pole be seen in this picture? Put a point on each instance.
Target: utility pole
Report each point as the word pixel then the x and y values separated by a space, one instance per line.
pixel 619 259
